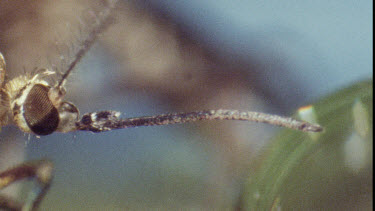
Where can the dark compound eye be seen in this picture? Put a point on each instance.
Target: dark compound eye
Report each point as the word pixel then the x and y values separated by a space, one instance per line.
pixel 40 114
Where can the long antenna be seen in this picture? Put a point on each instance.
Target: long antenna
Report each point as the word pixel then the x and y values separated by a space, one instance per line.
pixel 102 21
pixel 109 120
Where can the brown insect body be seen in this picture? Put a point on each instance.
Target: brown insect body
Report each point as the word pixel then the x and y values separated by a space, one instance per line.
pixel 30 103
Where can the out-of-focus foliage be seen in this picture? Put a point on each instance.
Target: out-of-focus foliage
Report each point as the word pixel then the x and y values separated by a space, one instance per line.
pixel 331 171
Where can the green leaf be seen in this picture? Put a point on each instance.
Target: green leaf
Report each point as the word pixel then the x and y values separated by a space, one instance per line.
pixel 305 171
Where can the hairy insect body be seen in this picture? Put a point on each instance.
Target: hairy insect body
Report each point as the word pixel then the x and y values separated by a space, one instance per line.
pixel 16 92
pixel 29 102
pixel 4 105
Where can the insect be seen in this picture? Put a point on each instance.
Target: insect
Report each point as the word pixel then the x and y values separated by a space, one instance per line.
pixel 35 105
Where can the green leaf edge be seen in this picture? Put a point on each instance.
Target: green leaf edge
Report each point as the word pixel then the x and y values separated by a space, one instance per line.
pixel 289 148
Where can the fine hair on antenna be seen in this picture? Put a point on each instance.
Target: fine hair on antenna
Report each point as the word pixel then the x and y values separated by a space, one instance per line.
pixel 103 20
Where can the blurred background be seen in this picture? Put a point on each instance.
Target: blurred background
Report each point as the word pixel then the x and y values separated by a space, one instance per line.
pixel 173 56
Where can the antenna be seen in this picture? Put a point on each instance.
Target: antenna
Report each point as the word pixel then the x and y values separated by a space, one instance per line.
pixel 101 22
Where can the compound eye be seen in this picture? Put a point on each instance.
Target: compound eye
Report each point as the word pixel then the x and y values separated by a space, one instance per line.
pixel 69 115
pixel 40 114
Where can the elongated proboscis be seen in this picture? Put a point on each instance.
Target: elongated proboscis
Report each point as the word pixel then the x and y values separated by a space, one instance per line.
pixel 109 120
